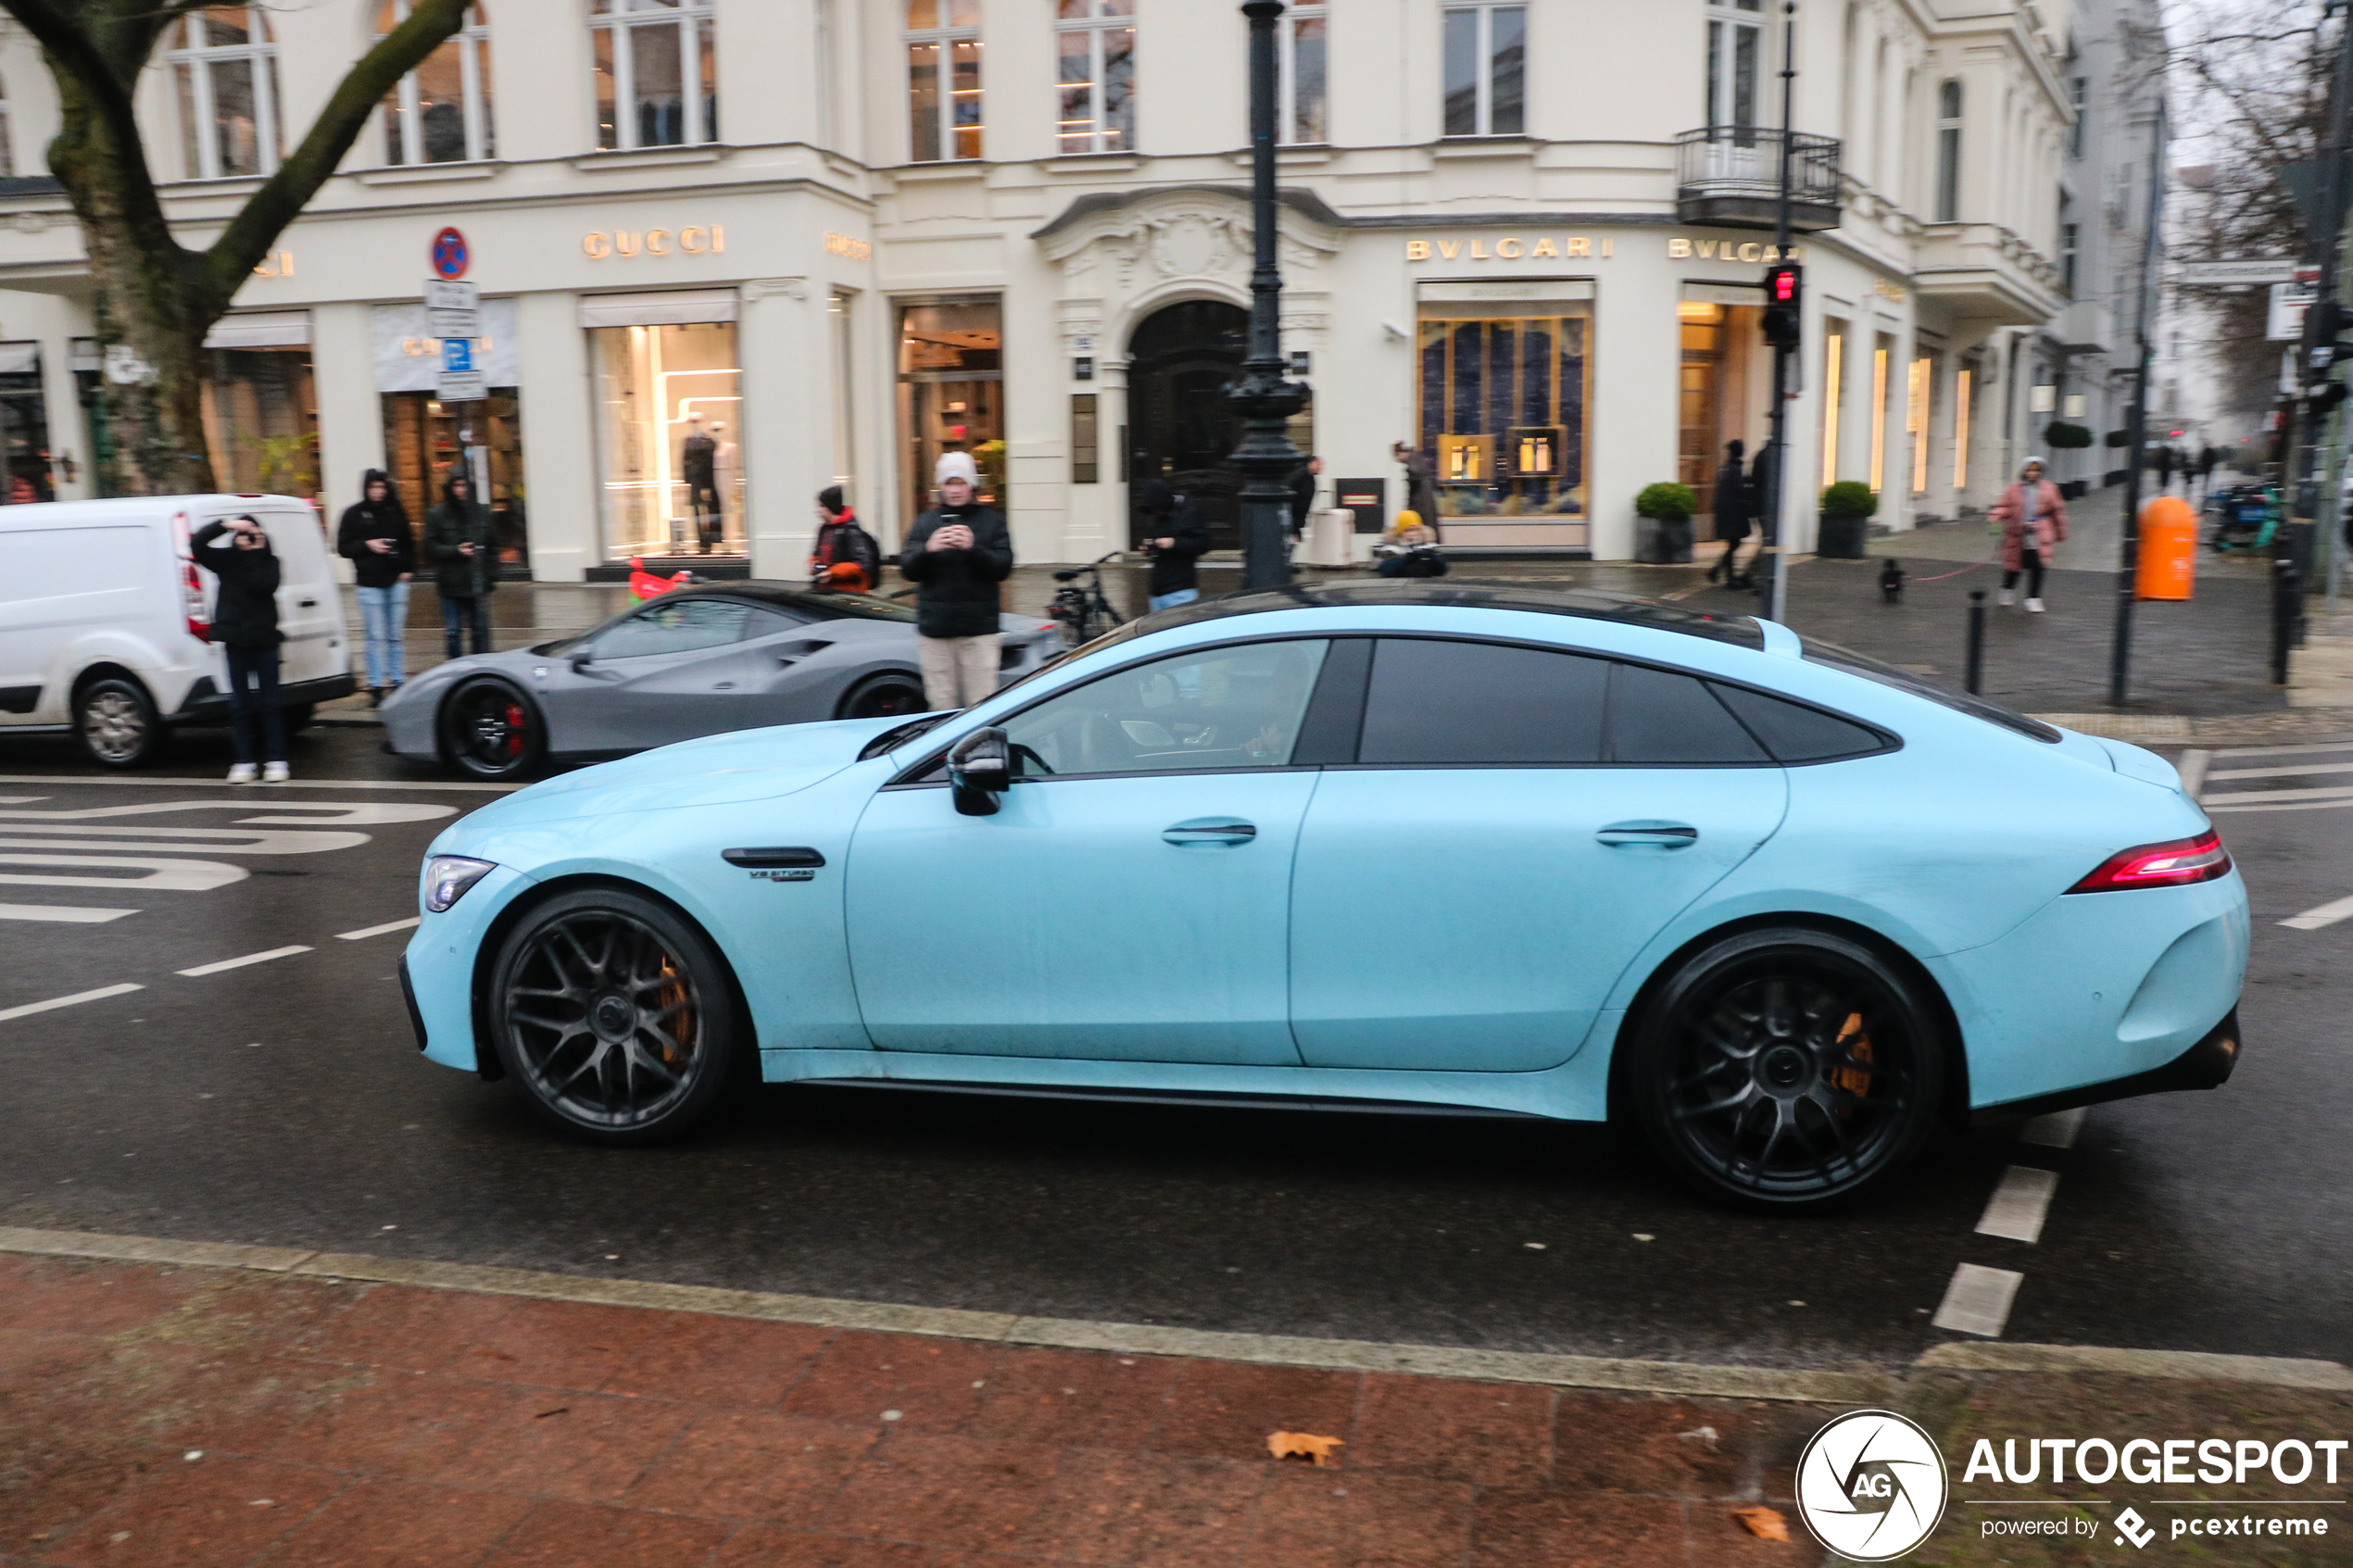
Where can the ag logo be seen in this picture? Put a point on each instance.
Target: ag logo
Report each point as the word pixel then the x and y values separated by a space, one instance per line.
pixel 1871 1485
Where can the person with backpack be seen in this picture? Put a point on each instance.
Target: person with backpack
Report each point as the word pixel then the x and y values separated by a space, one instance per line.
pixel 374 537
pixel 244 622
pixel 846 557
pixel 461 542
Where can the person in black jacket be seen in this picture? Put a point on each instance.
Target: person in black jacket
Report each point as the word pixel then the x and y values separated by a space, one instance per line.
pixel 374 537
pixel 1731 516
pixel 462 544
pixel 1179 540
pixel 1303 496
pixel 957 553
pixel 244 622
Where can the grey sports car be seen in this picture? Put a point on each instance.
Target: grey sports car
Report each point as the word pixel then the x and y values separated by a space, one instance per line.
pixel 694 662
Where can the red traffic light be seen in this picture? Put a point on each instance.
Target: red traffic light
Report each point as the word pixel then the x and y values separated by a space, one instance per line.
pixel 1781 285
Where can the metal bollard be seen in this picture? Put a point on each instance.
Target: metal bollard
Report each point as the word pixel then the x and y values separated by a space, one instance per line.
pixel 1974 671
pixel 2287 591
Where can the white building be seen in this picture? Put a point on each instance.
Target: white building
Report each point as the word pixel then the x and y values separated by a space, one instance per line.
pixel 838 236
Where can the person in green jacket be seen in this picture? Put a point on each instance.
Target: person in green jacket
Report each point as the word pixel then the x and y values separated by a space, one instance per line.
pixel 459 542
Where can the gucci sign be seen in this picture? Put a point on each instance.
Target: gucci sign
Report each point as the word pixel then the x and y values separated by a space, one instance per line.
pixel 627 243
pixel 856 250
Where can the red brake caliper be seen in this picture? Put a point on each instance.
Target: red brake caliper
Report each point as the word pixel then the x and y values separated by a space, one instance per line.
pixel 514 729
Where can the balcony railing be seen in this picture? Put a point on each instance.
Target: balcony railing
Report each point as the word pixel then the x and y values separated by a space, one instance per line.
pixel 1730 175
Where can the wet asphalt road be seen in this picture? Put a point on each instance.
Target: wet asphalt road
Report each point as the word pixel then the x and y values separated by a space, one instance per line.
pixel 284 1103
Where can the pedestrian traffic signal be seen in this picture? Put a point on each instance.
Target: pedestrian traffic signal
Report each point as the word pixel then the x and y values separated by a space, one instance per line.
pixel 1784 300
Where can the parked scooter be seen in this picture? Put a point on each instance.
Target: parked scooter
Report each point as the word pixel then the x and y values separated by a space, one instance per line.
pixel 2245 517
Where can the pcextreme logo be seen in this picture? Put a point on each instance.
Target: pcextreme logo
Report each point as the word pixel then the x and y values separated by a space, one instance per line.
pixel 1871 1485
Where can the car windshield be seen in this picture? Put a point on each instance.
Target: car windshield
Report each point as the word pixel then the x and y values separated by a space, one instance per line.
pixel 1870 668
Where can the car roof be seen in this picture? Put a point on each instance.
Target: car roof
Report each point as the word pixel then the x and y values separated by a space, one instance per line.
pixel 1742 631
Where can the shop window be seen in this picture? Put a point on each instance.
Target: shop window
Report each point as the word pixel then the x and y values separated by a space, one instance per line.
pixel 1718 399
pixel 1948 151
pixel 1919 389
pixel 1961 379
pixel 1833 394
pixel 1735 52
pixel 224 72
pixel 943 80
pixel 24 424
pixel 657 76
pixel 951 394
pixel 440 113
pixel 427 441
pixel 1504 404
pixel 1304 108
pixel 668 439
pixel 1096 76
pixel 1485 49
pixel 261 420
pixel 841 318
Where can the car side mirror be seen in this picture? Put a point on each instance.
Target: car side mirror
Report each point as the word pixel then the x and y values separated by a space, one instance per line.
pixel 582 659
pixel 979 767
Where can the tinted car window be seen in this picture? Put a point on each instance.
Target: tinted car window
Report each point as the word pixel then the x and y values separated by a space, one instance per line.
pixel 1795 733
pixel 681 627
pixel 766 621
pixel 1657 717
pixel 1434 702
pixel 1217 708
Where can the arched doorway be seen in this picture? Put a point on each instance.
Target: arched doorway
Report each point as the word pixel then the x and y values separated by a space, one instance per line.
pixel 1181 357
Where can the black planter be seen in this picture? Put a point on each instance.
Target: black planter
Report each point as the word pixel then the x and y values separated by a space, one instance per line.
pixel 1840 538
pixel 1662 541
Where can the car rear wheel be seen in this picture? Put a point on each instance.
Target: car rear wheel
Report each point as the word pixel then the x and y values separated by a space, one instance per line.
pixel 492 731
pixel 614 1017
pixel 885 696
pixel 116 722
pixel 1787 1070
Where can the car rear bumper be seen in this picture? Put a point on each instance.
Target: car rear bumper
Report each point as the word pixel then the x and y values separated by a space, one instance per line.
pixel 2206 1065
pixel 208 704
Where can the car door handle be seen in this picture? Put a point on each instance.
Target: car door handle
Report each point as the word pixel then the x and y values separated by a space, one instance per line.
pixel 1210 830
pixel 1657 836
pixel 310 604
pixel 722 685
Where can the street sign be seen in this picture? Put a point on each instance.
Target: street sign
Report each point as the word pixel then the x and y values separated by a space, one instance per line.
pixel 2289 301
pixel 2276 270
pixel 460 378
pixel 452 309
pixel 451 255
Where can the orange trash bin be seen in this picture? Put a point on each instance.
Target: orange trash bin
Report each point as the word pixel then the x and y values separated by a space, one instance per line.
pixel 2167 555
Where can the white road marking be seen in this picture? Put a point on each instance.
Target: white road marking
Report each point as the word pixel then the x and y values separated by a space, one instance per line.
pixel 2056 1131
pixel 347 813
pixel 250 958
pixel 2297 771
pixel 31 1008
pixel 290 784
pixel 2208 803
pixel 163 875
pixel 2326 914
pixel 2192 767
pixel 2233 751
pixel 1978 1301
pixel 2019 1205
pixel 215 841
pixel 364 933
pixel 21 800
pixel 2243 797
pixel 67 914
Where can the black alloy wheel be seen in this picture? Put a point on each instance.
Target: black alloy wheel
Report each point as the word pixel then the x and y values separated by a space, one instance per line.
pixel 116 722
pixel 492 731
pixel 614 1017
pixel 1787 1070
pixel 884 696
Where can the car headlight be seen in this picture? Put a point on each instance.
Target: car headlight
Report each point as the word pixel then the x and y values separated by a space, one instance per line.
pixel 448 876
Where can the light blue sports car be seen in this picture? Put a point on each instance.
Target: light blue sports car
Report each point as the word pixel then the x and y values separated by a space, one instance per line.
pixel 1406 844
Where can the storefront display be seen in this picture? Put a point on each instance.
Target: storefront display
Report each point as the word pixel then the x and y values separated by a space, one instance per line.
pixel 667 398
pixel 24 424
pixel 1505 395
pixel 426 439
pixel 261 420
pixel 952 394
pixel 1721 395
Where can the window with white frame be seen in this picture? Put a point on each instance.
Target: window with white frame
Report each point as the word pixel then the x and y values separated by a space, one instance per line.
pixel 1303 106
pixel 2079 98
pixel 943 80
pixel 1096 76
pixel 1948 151
pixel 1486 69
pixel 657 79
pixel 440 113
pixel 224 72
pixel 1735 57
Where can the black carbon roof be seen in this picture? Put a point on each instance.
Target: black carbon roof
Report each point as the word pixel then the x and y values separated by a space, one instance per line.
pixel 1365 593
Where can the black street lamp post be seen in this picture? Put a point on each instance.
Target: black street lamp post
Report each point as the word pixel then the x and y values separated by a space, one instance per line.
pixel 1263 398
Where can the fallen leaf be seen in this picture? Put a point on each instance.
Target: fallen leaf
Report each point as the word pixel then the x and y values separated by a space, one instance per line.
pixel 1304 1445
pixel 1763 1523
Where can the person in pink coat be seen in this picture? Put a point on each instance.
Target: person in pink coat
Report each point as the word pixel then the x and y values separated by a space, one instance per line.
pixel 2033 518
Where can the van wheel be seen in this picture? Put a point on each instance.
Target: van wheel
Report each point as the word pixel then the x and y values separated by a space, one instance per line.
pixel 492 731
pixel 117 723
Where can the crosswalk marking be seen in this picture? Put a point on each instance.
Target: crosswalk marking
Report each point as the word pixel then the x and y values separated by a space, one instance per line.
pixel 2325 914
pixel 366 932
pixel 31 1008
pixel 250 958
pixel 63 914
pixel 1978 1301
pixel 2019 1205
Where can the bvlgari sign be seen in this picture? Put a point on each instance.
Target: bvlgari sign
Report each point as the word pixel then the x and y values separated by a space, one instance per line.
pixel 1575 247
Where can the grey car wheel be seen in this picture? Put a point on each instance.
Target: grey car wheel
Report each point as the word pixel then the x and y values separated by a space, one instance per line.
pixel 492 731
pixel 884 696
pixel 116 722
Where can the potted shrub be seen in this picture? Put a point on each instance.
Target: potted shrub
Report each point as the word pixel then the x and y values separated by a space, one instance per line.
pixel 1666 510
pixel 2061 436
pixel 1846 509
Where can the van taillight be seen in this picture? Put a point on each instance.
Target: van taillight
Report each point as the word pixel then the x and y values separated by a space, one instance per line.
pixel 191 585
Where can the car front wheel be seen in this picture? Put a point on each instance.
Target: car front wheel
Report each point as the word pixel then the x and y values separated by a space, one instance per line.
pixel 613 1016
pixel 1787 1070
pixel 492 731
pixel 885 696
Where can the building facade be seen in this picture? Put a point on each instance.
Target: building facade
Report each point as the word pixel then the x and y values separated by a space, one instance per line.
pixel 732 251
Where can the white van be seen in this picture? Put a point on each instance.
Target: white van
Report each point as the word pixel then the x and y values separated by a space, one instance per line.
pixel 105 618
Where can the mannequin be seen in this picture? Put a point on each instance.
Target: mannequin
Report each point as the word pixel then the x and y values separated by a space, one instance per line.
pixel 726 468
pixel 697 464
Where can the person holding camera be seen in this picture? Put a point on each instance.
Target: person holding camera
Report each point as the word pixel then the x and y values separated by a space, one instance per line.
pixel 244 622
pixel 957 554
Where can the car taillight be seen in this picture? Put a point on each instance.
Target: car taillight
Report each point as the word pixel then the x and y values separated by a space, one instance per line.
pixel 2174 864
pixel 191 585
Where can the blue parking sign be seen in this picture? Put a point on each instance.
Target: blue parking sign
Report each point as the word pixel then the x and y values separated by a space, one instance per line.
pixel 456 356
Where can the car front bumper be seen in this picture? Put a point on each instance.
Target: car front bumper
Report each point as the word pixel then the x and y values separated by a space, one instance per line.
pixel 438 968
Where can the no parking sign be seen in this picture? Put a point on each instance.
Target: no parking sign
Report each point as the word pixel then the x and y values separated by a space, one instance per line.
pixel 450 255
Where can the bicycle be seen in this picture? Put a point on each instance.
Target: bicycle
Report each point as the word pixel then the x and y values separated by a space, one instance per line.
pixel 1082 610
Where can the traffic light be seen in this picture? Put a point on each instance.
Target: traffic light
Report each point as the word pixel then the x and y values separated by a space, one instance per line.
pixel 1784 302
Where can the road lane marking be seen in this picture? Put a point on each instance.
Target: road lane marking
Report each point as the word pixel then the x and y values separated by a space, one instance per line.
pixel 2242 797
pixel 2020 1204
pixel 2326 914
pixel 291 784
pixel 250 958
pixel 2056 1131
pixel 31 1008
pixel 1978 1301
pixel 67 914
pixel 349 813
pixel 21 800
pixel 2292 772
pixel 2211 805
pixel 163 875
pixel 214 841
pixel 364 933
pixel 2192 768
pixel 2232 751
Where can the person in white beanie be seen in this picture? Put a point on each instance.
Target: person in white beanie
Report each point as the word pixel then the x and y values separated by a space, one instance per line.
pixel 957 553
